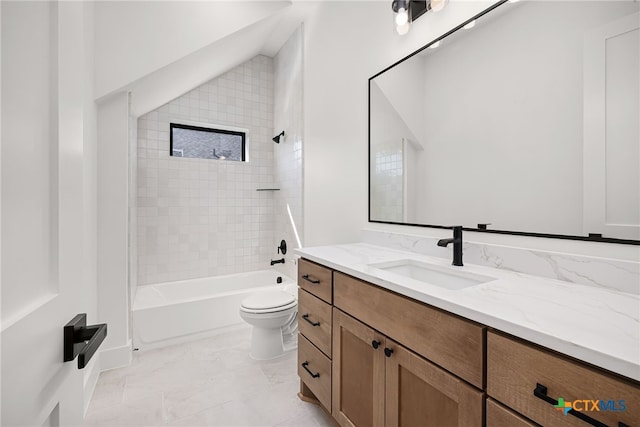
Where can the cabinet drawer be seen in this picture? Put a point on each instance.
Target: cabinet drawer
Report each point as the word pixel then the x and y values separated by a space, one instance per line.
pixel 314 321
pixel 514 369
pixel 499 416
pixel 316 279
pixel 314 369
pixel 449 341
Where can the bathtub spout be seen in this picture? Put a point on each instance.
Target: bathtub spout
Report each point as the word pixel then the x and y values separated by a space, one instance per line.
pixel 277 261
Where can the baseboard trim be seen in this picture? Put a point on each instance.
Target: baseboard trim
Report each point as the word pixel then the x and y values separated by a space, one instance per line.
pixel 117 357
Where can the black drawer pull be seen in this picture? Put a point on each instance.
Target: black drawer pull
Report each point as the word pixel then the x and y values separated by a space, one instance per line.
pixel 541 393
pixel 314 281
pixel 306 317
pixel 388 352
pixel 304 365
pixel 375 344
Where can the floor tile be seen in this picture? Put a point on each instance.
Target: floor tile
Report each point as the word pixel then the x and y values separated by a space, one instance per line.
pixel 209 382
pixel 142 412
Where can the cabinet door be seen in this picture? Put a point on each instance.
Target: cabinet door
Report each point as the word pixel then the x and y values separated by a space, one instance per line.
pixel 358 373
pixel 419 393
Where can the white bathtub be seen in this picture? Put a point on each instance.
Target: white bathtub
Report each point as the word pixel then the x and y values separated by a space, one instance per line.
pixel 167 313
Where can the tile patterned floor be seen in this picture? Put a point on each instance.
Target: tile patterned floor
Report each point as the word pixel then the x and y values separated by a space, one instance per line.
pixel 210 382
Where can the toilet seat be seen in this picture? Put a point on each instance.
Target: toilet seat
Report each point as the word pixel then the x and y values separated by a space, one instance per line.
pixel 268 302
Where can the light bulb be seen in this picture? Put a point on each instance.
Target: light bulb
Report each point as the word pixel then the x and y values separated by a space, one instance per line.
pixel 402 17
pixel 437 5
pixel 470 25
pixel 403 29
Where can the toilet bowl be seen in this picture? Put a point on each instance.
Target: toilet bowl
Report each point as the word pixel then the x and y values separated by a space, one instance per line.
pixel 272 314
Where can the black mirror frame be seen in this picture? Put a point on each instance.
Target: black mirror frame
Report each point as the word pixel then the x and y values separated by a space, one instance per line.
pixel 482 228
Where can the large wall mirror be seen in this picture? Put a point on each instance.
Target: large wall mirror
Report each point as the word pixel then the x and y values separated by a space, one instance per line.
pixel 526 118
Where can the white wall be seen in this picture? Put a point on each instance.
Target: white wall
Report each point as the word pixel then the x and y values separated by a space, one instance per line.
pixel 113 274
pixel 204 217
pixel 287 116
pixel 338 63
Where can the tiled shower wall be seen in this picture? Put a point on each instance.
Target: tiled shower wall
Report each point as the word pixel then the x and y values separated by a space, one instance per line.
pixel 288 154
pixel 387 181
pixel 201 217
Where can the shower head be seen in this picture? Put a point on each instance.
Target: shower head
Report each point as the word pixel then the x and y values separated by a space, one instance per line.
pixel 276 138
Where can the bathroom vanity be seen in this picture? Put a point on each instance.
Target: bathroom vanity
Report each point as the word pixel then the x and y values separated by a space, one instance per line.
pixel 381 345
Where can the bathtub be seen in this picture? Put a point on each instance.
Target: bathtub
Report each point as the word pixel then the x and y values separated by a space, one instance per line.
pixel 172 312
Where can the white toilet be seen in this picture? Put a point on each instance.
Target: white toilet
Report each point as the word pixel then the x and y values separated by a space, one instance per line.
pixel 272 314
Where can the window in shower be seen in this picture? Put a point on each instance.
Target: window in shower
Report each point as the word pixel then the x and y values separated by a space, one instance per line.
pixel 206 143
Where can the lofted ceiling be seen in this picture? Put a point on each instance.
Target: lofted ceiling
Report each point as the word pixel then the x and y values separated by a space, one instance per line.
pixel 160 50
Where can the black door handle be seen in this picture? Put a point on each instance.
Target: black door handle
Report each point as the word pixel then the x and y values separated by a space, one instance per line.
pixel 388 351
pixel 306 317
pixel 375 344
pixel 541 393
pixel 314 281
pixel 305 365
pixel 82 340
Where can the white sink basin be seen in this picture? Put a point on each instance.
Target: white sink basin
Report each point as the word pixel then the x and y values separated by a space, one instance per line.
pixel 432 274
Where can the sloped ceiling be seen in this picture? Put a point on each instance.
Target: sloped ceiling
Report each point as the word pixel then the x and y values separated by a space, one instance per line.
pixel 179 77
pixel 135 38
pixel 399 87
pixel 160 50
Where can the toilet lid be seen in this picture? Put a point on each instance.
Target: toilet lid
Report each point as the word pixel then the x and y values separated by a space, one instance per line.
pixel 267 299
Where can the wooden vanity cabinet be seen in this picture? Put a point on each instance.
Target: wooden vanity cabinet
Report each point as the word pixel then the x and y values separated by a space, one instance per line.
pixel 314 326
pixel 358 373
pixel 316 279
pixel 500 416
pixel 449 341
pixel 530 380
pixel 419 393
pixel 378 382
pixel 314 321
pixel 384 359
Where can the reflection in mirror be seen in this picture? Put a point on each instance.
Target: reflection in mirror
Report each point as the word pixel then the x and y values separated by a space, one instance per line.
pixel 514 122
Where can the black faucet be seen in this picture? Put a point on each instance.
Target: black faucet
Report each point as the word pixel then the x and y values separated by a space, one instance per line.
pixel 457 245
pixel 277 261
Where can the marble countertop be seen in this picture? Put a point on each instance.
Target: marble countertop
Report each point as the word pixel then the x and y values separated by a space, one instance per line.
pixel 595 325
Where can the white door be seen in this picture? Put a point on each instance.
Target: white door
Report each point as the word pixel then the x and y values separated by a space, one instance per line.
pixel 612 130
pixel 44 280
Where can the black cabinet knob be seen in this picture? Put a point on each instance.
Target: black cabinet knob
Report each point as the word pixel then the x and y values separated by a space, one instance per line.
pixel 388 352
pixel 375 344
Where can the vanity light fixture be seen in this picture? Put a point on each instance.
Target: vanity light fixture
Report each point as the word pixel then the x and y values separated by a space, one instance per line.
pixel 407 11
pixel 402 12
pixel 276 138
pixel 436 5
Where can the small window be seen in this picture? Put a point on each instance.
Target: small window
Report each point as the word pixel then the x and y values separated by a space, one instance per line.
pixel 206 143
